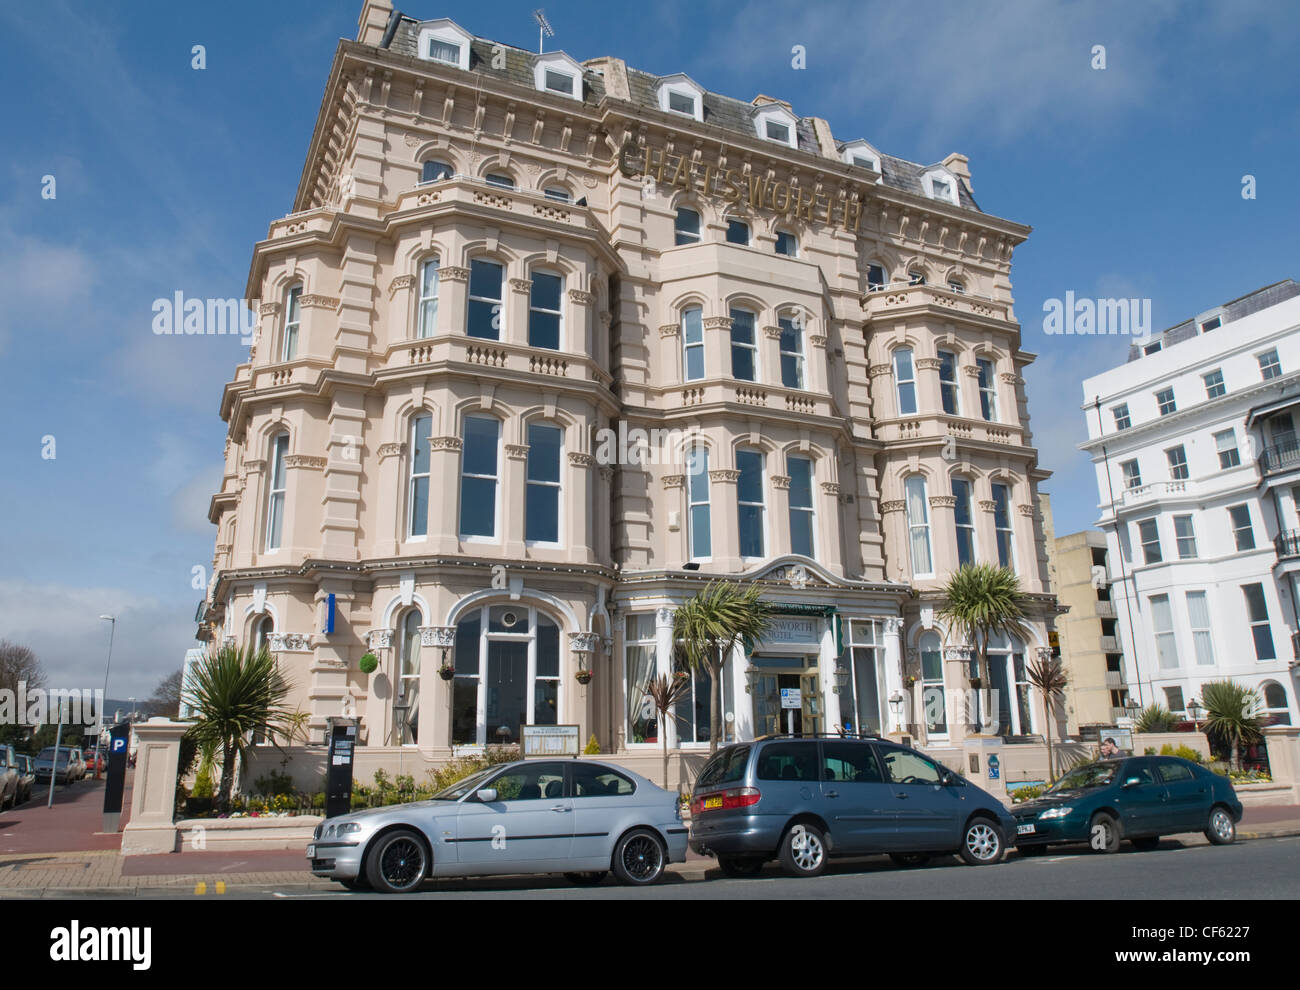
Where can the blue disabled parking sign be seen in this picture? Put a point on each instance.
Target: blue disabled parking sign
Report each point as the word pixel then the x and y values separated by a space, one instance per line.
pixel 995 769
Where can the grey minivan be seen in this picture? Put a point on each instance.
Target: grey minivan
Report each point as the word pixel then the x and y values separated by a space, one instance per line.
pixel 802 800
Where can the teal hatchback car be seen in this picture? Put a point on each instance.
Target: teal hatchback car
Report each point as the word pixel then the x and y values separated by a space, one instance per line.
pixel 1139 799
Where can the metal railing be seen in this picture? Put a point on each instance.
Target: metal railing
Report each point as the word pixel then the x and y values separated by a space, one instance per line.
pixel 1287 544
pixel 1283 456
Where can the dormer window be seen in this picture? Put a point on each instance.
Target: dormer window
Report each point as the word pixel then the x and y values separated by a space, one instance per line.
pixel 446 42
pixel 773 122
pixel 861 155
pixel 1211 323
pixel 557 73
pixel 682 95
pixel 942 185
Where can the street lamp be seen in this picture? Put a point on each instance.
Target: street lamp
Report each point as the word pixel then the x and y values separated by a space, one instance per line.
pixel 1195 711
pixel 896 701
pixel 99 729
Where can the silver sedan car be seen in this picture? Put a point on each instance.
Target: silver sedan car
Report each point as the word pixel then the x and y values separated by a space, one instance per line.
pixel 576 817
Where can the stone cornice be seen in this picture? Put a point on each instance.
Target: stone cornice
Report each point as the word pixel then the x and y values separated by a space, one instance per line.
pixel 579 459
pixel 318 302
pixel 725 475
pixel 581 298
pixel 305 461
pixel 446 443
pixel 781 481
pixel 387 450
pixel 670 330
pixel 400 282
pixel 453 274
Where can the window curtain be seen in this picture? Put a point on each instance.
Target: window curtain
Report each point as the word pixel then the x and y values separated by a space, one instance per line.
pixel 918 526
pixel 640 712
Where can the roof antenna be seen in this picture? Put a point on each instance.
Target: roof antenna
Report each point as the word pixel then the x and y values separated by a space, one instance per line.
pixel 544 29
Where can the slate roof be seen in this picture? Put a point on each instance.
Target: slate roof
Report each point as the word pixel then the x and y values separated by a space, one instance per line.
pixel 725 112
pixel 1243 306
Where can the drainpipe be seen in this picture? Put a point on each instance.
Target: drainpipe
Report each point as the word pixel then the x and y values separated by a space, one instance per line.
pixel 1123 573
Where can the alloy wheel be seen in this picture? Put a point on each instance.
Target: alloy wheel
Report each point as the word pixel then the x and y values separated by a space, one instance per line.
pixel 642 857
pixel 806 848
pixel 983 842
pixel 402 863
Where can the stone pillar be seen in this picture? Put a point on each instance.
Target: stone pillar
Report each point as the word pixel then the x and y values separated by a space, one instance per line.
pixel 1283 743
pixel 779 534
pixel 827 522
pixel 893 685
pixel 153 794
pixel 453 299
pixel 444 496
pixel 578 523
pixel 717 347
pixel 435 693
pixel 513 482
pixel 515 314
pixel 956 664
pixel 769 356
pixel 725 520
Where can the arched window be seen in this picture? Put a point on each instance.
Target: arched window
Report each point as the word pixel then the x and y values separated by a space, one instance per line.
pixel 697 496
pixel 435 171
pixel 485 314
pixel 744 348
pixel 693 343
pixel 803 520
pixel 749 500
pixel 507 673
pixel 933 700
pixel 1002 526
pixel 292 320
pixel 791 326
pixel 428 298
pixel 478 477
pixel 418 482
pixel 918 526
pixel 737 231
pixel 964 520
pixel 905 381
pixel 949 392
pixel 499 179
pixel 988 389
pixel 1014 712
pixel 915 277
pixel 542 488
pixel 558 193
pixel 263 626
pixel 686 228
pixel 1275 703
pixel 406 706
pixel 545 311
pixel 877 279
pixel 277 486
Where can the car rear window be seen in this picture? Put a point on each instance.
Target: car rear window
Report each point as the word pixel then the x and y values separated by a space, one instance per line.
pixel 725 768
pixel 788 761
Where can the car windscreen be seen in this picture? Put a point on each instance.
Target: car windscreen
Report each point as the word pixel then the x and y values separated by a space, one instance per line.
pixel 48 754
pixel 1082 778
pixel 726 767
pixel 462 787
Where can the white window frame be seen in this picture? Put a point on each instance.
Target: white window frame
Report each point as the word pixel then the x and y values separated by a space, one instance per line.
pixel 448 32
pixel 277 501
pixel 292 322
pixel 682 85
pixel 1202 635
pixel 809 510
pixel 681 237
pixel 949 386
pixel 499 302
pixel 1269 361
pixel 1210 386
pixel 1008 530
pixel 1237 529
pixel 950 195
pixel 859 154
pixel 558 485
pixel 988 387
pixel 557 313
pixel 451 171
pixel 558 194
pixel 900 381
pixel 427 308
pixel 1133 478
pixel 792 240
pixel 1150 546
pixel 1231 451
pixel 496 484
pixel 408 668
pixel 559 64
pixel 1161 403
pixel 650 645
pixel 413 476
pixel 1185 534
pixel 752 346
pixel 788 323
pixel 761 503
pixel 777 114
pixel 1176 458
pixel 1166 641
pixel 918 526
pixel 694 502
pixel 688 345
pixel 749 231
pixel 1255 623
pixel 969 526
pixel 1120 412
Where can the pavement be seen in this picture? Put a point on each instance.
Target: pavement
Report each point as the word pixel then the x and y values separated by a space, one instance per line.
pixel 61 852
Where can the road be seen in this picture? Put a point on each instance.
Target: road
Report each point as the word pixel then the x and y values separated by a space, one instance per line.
pixel 1265 868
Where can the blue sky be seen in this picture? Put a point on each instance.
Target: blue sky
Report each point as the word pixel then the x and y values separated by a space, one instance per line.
pixel 1130 176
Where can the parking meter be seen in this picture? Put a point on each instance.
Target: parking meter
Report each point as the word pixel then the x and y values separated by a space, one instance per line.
pixel 338 770
pixel 118 738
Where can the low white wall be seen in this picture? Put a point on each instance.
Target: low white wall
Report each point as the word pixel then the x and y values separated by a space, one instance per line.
pixel 242 834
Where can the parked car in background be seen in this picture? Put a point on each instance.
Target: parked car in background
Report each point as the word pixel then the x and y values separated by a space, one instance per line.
pixel 577 817
pixel 803 800
pixel 10 777
pixel 1139 799
pixel 26 777
pixel 70 766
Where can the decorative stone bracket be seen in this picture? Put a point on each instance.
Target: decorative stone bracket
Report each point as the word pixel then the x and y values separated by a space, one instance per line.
pixel 442 636
pixel 288 642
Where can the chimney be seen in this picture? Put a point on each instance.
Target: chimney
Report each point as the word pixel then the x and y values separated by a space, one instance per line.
pixel 959 165
pixel 614 72
pixel 373 22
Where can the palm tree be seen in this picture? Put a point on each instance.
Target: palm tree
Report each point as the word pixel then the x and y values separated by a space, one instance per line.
pixel 983 600
pixel 238 693
pixel 1155 717
pixel 664 692
pixel 709 625
pixel 1235 714
pixel 1047 673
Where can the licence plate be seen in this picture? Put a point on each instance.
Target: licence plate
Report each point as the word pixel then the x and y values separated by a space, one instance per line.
pixel 1025 829
pixel 311 852
pixel 712 802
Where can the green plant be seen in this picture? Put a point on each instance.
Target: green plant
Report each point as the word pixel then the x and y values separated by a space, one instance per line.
pixel 664 692
pixel 275 782
pixel 1181 750
pixel 235 695
pixel 1026 793
pixel 709 625
pixel 1047 673
pixel 592 746
pixel 368 663
pixel 1235 715
pixel 1155 717
pixel 983 601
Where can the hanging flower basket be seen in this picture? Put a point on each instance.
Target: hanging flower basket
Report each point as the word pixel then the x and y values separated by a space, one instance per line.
pixel 583 676
pixel 446 671
pixel 369 663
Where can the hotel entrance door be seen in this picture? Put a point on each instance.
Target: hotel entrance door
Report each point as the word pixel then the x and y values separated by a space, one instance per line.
pixel 778 675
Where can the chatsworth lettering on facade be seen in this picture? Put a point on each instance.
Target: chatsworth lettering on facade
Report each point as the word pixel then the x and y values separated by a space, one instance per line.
pixel 476 287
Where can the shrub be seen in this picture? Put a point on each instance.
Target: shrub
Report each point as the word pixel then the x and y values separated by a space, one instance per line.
pixel 1155 718
pixel 592 746
pixel 1183 751
pixel 203 786
pixel 275 782
pixel 1026 793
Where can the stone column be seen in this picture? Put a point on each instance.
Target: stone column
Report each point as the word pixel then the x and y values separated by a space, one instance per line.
pixel 453 298
pixel 956 665
pixel 444 494
pixel 926 370
pixel 724 518
pixel 829 546
pixel 513 482
pixel 943 531
pixel 515 310
pixel 580 537
pixel 672 362
pixel 815 369
pixel 435 693
pixel 769 356
pixel 153 793
pixel 578 337
pixel 893 686
pixel 780 509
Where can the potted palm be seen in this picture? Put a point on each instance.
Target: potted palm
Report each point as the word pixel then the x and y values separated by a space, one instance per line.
pixel 983 601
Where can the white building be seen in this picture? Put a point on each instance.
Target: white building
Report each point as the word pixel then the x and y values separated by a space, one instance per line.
pixel 1198 467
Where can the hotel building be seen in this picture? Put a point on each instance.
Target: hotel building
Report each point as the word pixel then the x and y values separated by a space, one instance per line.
pixel 1198 467
pixel 545 345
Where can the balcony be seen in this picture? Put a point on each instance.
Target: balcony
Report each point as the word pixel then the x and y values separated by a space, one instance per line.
pixel 901 299
pixel 1109 644
pixel 1280 457
pixel 1287 544
pixel 1106 610
pixel 1114 679
pixel 1155 490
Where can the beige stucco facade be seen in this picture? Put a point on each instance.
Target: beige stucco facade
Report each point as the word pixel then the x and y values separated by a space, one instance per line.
pixel 352 363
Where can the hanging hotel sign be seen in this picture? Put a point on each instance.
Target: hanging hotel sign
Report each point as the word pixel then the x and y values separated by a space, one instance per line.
pixel 734 187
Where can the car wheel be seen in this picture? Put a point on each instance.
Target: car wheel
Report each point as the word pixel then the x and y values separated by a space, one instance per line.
pixel 1103 834
pixel 1220 830
pixel 639 858
pixel 803 851
pixel 982 843
pixel 1146 843
pixel 398 862
pixel 910 859
pixel 589 879
pixel 740 866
